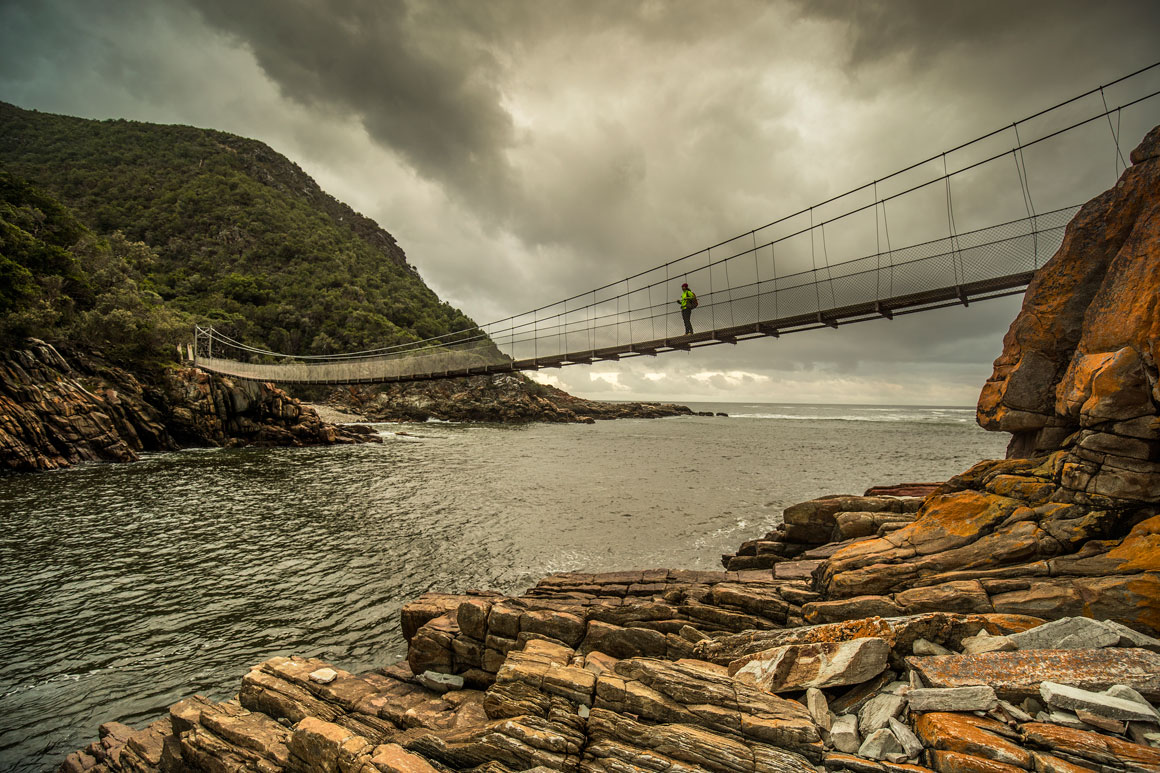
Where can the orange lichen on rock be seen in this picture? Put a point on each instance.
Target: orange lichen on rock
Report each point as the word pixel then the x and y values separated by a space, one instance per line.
pixel 968 734
pixel 956 762
pixel 1097 747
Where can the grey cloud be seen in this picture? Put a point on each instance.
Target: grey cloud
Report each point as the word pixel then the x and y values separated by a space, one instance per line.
pixel 924 31
pixel 429 92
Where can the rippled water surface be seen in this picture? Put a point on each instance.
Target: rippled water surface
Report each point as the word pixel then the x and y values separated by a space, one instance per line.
pixel 127 587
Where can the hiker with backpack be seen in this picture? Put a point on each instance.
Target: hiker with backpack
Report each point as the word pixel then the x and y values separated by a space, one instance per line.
pixel 688 303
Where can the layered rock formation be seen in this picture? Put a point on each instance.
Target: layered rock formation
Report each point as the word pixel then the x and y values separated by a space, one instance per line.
pixel 1079 365
pixel 682 671
pixel 507 398
pixel 57 411
pixel 1001 622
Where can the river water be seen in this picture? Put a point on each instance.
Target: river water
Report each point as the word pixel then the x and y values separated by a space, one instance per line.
pixel 127 587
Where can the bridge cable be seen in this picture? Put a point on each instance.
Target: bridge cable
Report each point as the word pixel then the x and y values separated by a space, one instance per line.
pixel 877 248
pixel 729 285
pixel 814 262
pixel 1031 202
pixel 773 266
pixel 1115 134
pixel 712 299
pixel 955 257
pixel 829 268
pixel 757 274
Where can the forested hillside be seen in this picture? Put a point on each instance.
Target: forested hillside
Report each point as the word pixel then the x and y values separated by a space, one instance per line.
pixel 237 234
pixel 60 281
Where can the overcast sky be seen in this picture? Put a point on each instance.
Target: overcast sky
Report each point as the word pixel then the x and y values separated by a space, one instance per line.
pixel 524 151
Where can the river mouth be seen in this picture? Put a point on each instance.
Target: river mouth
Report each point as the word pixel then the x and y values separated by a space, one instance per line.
pixel 128 587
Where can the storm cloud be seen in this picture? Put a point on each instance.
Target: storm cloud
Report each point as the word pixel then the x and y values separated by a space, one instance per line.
pixel 523 151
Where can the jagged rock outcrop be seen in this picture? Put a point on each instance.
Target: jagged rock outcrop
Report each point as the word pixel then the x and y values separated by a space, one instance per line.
pixel 57 411
pixel 1079 365
pixel 507 398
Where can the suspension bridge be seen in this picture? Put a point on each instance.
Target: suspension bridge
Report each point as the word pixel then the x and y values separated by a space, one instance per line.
pixel 970 224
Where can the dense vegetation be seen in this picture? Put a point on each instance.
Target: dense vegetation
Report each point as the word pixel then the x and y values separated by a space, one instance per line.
pixel 207 226
pixel 61 282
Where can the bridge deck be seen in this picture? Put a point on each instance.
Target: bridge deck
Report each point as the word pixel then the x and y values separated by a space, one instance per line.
pixel 885 309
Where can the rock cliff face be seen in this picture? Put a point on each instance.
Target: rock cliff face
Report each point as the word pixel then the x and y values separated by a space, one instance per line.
pixel 507 398
pixel 1079 365
pixel 55 412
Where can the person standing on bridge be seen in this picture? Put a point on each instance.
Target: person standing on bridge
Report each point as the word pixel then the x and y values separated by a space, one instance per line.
pixel 688 303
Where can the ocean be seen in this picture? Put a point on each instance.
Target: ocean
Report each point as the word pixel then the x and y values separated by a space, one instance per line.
pixel 128 587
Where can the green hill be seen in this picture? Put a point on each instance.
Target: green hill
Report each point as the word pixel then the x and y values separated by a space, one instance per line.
pixel 242 237
pixel 61 282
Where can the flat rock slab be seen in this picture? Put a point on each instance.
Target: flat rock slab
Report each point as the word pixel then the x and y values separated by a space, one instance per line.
pixel 980 698
pixel 795 570
pixel 1017 675
pixel 1062 696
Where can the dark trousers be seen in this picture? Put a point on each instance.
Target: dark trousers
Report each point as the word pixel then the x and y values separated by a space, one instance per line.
pixel 687 315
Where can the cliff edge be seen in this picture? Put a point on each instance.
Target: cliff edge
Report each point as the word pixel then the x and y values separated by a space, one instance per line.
pixel 1079 364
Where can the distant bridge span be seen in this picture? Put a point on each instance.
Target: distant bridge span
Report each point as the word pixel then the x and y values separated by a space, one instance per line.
pixel 968 218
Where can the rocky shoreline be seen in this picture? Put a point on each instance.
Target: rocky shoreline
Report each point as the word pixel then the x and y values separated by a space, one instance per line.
pixel 508 398
pixel 59 410
pixel 1002 621
pixel 665 670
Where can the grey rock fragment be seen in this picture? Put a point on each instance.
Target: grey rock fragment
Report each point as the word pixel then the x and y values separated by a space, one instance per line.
pixel 818 707
pixel 984 642
pixel 897 687
pixel 914 679
pixel 1132 638
pixel 1061 696
pixel 844 734
pixel 924 647
pixel 910 743
pixel 1075 632
pixel 1127 693
pixel 1144 733
pixel 1016 713
pixel 440 683
pixel 323 675
pixel 879 745
pixel 877 712
pixel 980 698
pixel 1032 706
pixel 1063 719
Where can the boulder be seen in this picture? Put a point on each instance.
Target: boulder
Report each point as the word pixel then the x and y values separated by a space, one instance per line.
pixel 824 664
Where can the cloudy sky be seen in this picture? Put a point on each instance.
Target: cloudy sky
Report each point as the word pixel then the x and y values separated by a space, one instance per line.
pixel 522 151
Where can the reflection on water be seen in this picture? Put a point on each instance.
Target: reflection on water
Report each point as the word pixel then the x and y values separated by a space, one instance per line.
pixel 127 587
